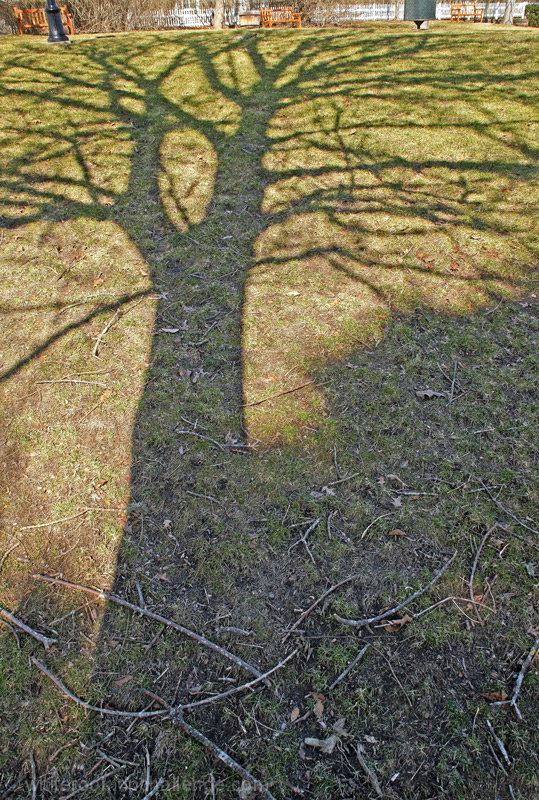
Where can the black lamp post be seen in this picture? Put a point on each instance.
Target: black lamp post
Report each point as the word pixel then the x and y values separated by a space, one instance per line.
pixel 57 35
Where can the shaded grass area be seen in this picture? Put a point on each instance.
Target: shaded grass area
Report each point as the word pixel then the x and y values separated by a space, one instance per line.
pixel 194 223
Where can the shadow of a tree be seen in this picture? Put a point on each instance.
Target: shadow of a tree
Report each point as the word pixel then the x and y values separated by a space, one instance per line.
pixel 277 200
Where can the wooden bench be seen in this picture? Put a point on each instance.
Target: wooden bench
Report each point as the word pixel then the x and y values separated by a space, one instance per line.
pixel 280 16
pixel 32 19
pixel 460 12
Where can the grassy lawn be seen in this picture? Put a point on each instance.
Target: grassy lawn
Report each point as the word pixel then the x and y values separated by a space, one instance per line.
pixel 194 224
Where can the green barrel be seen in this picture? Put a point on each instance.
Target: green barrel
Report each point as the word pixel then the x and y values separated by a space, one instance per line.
pixel 416 10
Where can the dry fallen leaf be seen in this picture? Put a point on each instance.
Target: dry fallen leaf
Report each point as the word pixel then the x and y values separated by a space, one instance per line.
pixel 295 714
pixel 123 681
pixel 339 728
pixel 496 697
pixel 428 394
pixel 325 745
pixel 319 710
pixel 393 625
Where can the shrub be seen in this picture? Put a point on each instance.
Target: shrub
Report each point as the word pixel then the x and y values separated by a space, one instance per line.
pixel 532 14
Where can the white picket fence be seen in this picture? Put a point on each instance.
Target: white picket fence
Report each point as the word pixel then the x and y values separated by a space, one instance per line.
pixel 190 14
pixel 374 12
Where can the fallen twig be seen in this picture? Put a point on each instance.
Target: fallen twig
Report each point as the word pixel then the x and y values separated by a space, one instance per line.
pixel 54 521
pixel 7 553
pixel 204 497
pixel 474 567
pixel 453 599
pixel 155 789
pixel 453 383
pixel 358 623
pixel 222 447
pixel 502 508
pixel 350 667
pixel 303 539
pixel 157 617
pixel 375 520
pixel 336 463
pixel 44 640
pixel 111 712
pixel 74 380
pixel 317 602
pixel 115 317
pixel 68 519
pixel 518 685
pixel 278 394
pixel 86 786
pixel 343 480
pixel 34 774
pixel 237 689
pixel 109 325
pixel 500 744
pixel 373 780
pixel 11 788
pixel 176 717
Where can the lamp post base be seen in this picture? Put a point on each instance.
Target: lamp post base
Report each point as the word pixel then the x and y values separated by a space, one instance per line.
pixel 57 35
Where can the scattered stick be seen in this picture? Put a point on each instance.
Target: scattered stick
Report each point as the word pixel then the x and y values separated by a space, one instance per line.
pixel 373 780
pixel 382 516
pixel 204 497
pixel 15 785
pixel 502 508
pixel 109 325
pixel 492 310
pixel 68 519
pixel 518 685
pixel 115 317
pixel 278 394
pixel 446 376
pixel 343 480
pixel 34 774
pixel 497 760
pixel 157 617
pixel 44 640
pixel 472 575
pixel 237 689
pixel 306 613
pixel 111 712
pixel 155 789
pixel 7 553
pixel 74 380
pixel 454 600
pixel 222 447
pixel 500 744
pixel 54 521
pixel 358 623
pixel 336 463
pixel 350 667
pixel 328 525
pixel 453 383
pixel 303 539
pixel 200 436
pixel 93 783
pixel 176 717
